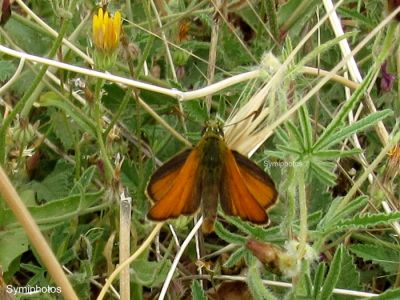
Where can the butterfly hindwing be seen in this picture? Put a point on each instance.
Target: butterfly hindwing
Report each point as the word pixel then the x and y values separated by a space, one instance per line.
pixel 175 187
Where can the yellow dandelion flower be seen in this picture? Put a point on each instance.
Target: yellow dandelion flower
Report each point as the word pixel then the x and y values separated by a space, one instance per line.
pixel 106 31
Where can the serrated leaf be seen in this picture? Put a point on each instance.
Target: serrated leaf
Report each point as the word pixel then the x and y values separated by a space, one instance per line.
pixel 7 69
pixel 367 220
pixel 63 130
pixel 228 236
pixel 333 275
pixel 388 259
pixel 57 184
pixel 197 291
pixel 349 276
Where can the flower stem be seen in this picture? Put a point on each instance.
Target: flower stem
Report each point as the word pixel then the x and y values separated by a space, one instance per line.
pixel 108 169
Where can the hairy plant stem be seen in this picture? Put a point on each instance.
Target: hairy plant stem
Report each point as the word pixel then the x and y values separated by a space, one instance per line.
pixel 303 214
pixel 108 169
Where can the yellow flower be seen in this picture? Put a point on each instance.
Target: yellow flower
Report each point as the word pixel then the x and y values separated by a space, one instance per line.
pixel 106 31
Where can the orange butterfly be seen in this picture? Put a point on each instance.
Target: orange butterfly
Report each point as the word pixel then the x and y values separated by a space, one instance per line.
pixel 201 174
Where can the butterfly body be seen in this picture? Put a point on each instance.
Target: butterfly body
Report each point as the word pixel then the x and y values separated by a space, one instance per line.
pixel 213 150
pixel 208 172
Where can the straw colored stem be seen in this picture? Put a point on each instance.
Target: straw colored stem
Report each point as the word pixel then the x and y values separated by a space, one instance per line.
pixel 35 236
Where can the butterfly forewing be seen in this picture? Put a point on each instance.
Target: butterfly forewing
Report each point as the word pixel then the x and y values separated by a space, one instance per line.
pixel 175 187
pixel 259 184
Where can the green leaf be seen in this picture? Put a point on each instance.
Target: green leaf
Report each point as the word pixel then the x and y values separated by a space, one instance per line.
pixel 355 127
pixel 290 149
pixel 149 273
pixel 282 136
pixel 303 288
pixel 305 126
pixel 197 291
pixel 227 235
pixel 303 16
pixel 318 278
pixel 55 211
pixel 295 136
pixel 235 257
pixel 333 215
pixel 367 220
pixel 12 245
pixel 356 16
pixel 27 36
pixel 323 48
pixel 269 234
pixel 334 154
pixel 349 276
pixel 333 275
pixel 322 170
pixel 83 182
pixel 326 136
pixel 7 70
pixel 83 121
pixel 57 184
pixel 63 129
pixel 391 294
pixel 388 259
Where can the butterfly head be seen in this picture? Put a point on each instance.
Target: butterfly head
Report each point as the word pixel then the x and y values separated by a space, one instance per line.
pixel 213 128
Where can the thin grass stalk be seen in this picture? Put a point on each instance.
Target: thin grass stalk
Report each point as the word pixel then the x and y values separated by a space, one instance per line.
pixel 124 244
pixel 177 258
pixel 135 255
pixel 212 54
